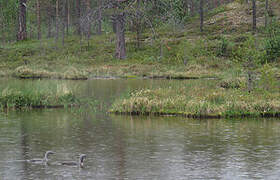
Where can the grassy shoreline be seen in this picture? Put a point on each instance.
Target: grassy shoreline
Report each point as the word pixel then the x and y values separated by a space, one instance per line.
pixel 195 116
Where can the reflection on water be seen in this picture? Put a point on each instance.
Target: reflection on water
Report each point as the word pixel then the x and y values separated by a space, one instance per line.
pixel 123 147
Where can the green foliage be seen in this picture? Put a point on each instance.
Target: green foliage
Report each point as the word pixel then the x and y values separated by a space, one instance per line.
pixel 224 47
pixel 268 81
pixel 187 51
pixel 272 44
pixel 249 52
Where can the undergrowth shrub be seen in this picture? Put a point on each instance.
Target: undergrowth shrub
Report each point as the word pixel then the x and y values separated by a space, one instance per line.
pixel 268 81
pixel 272 43
pixel 249 52
pixel 224 47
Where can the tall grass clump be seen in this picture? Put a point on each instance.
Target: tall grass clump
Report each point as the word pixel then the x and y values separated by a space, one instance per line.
pixel 199 99
pixel 36 94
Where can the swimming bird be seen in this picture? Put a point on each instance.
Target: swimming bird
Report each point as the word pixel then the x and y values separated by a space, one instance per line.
pixel 39 160
pixel 80 163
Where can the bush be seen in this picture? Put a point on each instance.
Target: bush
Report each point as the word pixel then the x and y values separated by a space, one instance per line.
pixel 249 52
pixel 223 48
pixel 272 44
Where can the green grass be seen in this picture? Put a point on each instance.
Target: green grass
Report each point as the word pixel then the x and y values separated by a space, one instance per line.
pixel 201 98
pixel 36 94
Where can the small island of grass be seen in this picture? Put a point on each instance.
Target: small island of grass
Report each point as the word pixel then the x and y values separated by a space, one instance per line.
pixel 36 94
pixel 201 99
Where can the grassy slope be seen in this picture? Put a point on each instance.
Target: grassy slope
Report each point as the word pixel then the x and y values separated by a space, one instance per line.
pixel 77 60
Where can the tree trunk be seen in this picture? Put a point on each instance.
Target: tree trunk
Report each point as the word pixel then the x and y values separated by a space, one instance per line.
pixel 254 16
pixel 99 23
pixel 78 15
pixel 49 21
pixel 201 15
pixel 67 14
pixel 215 3
pixel 138 27
pixel 3 39
pixel 22 32
pixel 114 24
pixel 64 20
pixel 266 13
pixel 120 43
pixel 192 7
pixel 57 20
pixel 88 22
pixel 38 20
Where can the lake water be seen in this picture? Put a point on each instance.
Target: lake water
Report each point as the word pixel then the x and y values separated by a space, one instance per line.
pixel 124 147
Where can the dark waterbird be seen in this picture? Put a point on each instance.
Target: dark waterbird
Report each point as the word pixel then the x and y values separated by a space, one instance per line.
pixel 41 160
pixel 80 162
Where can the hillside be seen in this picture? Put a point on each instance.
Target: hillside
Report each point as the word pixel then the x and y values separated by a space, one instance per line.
pixel 178 51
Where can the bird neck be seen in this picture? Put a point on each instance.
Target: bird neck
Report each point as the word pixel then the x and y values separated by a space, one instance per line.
pixel 81 164
pixel 46 157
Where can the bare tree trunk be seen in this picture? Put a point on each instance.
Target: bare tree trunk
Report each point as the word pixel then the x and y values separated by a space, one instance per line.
pixel 120 43
pixel 254 16
pixel 38 20
pixel 67 14
pixel 138 27
pixel 2 27
pixel 78 15
pixel 215 3
pixel 49 23
pixel 88 22
pixel 64 20
pixel 192 7
pixel 201 15
pixel 114 24
pixel 99 25
pixel 22 32
pixel 57 20
pixel 266 13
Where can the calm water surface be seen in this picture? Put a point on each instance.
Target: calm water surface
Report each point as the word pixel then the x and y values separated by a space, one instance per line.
pixel 123 147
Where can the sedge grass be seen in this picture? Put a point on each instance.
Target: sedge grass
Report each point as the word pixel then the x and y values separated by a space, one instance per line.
pixel 199 99
pixel 36 94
